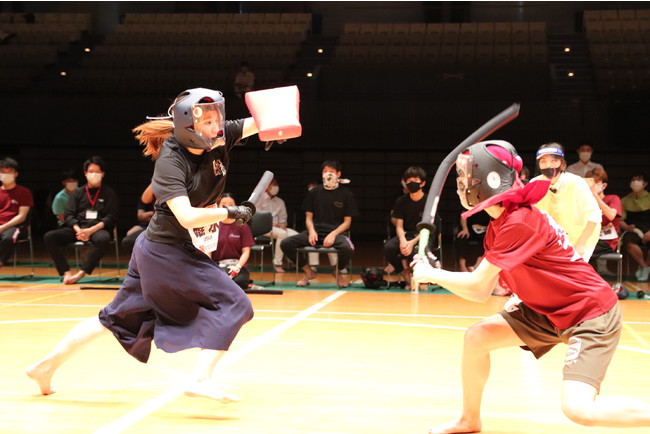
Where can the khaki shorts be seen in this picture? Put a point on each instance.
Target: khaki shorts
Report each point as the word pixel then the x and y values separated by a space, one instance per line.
pixel 592 343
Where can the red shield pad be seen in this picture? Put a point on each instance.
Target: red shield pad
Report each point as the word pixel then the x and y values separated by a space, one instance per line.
pixel 275 112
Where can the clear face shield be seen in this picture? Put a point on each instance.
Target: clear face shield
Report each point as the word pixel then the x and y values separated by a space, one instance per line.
pixel 208 123
pixel 464 181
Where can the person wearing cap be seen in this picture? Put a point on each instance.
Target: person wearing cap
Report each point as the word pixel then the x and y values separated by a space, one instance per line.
pixel 174 294
pixel 564 300
pixel 569 200
pixel 584 164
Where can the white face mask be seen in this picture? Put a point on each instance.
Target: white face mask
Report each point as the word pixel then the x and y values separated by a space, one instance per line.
pixel 585 156
pixel 330 181
pixel 71 185
pixel 7 178
pixel 94 178
pixel 274 190
pixel 636 185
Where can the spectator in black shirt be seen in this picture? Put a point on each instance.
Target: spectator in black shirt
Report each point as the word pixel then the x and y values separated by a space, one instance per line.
pixel 407 213
pixel 91 215
pixel 329 209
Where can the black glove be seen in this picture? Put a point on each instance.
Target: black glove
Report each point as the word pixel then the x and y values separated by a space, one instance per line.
pixel 242 213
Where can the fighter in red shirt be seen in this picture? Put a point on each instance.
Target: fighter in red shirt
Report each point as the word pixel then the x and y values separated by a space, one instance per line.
pixel 562 298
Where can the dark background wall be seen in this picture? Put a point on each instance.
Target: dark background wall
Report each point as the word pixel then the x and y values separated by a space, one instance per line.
pixel 376 119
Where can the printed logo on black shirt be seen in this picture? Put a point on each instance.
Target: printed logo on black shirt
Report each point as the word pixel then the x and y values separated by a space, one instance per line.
pixel 219 168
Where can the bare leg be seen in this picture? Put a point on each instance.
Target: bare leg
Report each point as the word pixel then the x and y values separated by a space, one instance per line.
pixel 637 254
pixel 581 404
pixel 480 339
pixel 77 337
pixel 201 384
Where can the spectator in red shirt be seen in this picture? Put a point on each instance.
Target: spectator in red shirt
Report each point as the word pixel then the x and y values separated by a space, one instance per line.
pixel 610 205
pixel 563 299
pixel 15 203
pixel 234 246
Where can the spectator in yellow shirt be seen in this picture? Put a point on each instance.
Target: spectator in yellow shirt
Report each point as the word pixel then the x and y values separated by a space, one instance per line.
pixel 569 200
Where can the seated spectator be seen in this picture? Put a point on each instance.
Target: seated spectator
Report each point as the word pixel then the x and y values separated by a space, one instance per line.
pixel 145 212
pixel 234 246
pixel 329 209
pixel 70 182
pixel 91 215
pixel 471 233
pixel 272 203
pixel 584 163
pixel 569 200
pixel 610 205
pixel 15 204
pixel 636 222
pixel 407 213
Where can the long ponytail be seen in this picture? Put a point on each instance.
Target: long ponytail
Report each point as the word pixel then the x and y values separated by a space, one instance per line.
pixel 152 134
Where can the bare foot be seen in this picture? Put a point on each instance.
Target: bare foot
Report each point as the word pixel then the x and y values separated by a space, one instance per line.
pixel 458 426
pixel 309 275
pixel 66 276
pixel 42 377
pixel 209 389
pixel 342 281
pixel 279 269
pixel 72 279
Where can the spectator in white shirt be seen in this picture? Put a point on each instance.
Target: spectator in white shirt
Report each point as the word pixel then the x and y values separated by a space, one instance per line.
pixel 584 164
pixel 270 202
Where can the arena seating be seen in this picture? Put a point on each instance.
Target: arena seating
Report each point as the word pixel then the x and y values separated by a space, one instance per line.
pixel 465 43
pixel 619 44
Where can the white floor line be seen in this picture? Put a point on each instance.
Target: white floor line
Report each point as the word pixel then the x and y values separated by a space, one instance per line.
pixel 636 350
pixel 169 395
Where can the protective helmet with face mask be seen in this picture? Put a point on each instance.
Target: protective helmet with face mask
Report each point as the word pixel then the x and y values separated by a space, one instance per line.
pixel 190 110
pixel 486 169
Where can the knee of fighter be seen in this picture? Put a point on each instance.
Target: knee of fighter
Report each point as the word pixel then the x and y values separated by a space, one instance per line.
pixel 579 414
pixel 475 335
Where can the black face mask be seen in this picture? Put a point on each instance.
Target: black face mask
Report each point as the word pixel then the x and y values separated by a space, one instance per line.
pixel 413 186
pixel 549 172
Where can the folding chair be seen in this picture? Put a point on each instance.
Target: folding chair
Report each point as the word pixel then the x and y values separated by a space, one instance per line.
pixel 81 244
pixel 18 241
pixel 261 224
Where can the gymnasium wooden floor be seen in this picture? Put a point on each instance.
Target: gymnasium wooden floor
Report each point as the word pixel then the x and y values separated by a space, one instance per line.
pixel 311 361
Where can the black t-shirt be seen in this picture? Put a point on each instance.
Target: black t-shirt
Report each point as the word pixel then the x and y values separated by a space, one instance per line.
pixel 330 207
pixel 102 199
pixel 201 178
pixel 410 211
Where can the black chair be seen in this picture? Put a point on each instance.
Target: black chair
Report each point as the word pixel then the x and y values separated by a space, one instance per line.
pixel 323 250
pixel 78 245
pixel 17 242
pixel 261 224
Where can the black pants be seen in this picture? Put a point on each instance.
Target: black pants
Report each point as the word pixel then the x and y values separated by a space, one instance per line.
pixel 129 240
pixel 7 243
pixel 342 243
pixel 57 240
pixel 394 256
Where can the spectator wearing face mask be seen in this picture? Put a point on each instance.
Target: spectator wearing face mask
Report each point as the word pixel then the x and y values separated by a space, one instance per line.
pixel 569 200
pixel 90 215
pixel 270 202
pixel 15 203
pixel 636 223
pixel 610 205
pixel 329 209
pixel 70 183
pixel 407 213
pixel 584 163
